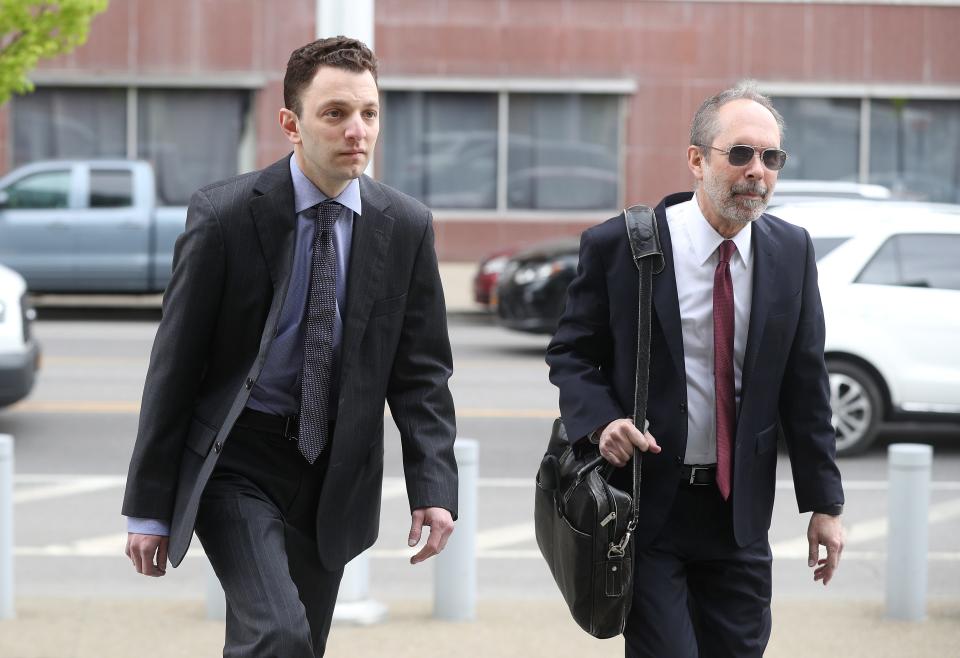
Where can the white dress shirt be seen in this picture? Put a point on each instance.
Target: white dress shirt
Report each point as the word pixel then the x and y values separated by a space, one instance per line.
pixel 695 258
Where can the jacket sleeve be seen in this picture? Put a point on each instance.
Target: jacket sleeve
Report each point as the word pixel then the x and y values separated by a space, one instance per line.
pixel 177 363
pixel 581 346
pixel 418 391
pixel 805 403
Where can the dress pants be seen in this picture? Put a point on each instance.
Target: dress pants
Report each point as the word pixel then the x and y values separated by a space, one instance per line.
pixel 257 524
pixel 696 593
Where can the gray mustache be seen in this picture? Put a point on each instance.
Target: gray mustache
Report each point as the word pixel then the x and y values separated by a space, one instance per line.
pixel 749 189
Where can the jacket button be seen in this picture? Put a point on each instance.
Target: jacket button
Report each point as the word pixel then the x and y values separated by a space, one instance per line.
pixel 683 407
pixel 249 383
pixel 217 447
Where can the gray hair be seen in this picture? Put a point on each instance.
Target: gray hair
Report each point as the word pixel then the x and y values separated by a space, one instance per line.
pixel 706 125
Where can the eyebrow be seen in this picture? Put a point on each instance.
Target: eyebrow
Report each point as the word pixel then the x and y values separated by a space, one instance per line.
pixel 344 101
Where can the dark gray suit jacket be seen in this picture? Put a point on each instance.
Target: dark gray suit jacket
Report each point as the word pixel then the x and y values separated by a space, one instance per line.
pixel 220 313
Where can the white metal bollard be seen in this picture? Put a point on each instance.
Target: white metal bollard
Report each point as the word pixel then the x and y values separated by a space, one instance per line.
pixel 909 500
pixel 7 610
pixel 455 572
pixel 354 605
pixel 216 602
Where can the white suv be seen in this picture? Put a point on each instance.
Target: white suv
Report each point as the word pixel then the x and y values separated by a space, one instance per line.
pixel 19 352
pixel 890 281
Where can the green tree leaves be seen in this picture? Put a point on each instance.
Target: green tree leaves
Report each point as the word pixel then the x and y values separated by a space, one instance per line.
pixel 34 29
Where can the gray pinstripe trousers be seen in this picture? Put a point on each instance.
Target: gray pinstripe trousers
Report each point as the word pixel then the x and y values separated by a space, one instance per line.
pixel 257 524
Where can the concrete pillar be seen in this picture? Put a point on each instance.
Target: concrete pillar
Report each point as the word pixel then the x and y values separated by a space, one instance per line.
pixel 7 610
pixel 455 572
pixel 907 538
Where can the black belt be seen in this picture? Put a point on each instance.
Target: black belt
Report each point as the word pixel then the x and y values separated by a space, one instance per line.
pixel 286 427
pixel 698 475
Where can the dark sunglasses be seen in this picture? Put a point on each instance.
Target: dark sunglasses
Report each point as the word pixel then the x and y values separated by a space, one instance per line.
pixel 741 154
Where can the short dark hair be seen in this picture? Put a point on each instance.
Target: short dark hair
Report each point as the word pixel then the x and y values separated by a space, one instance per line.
pixel 706 124
pixel 339 52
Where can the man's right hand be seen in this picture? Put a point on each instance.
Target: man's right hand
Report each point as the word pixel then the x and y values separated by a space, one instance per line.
pixel 143 549
pixel 618 439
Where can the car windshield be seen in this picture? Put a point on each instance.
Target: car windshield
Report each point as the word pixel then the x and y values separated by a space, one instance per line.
pixel 823 246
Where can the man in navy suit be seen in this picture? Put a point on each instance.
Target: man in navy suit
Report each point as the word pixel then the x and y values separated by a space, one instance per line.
pixel 736 360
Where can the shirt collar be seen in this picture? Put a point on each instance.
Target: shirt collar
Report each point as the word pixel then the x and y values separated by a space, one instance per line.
pixel 705 239
pixel 307 195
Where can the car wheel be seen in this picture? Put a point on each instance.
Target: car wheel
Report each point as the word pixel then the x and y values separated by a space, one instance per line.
pixel 857 406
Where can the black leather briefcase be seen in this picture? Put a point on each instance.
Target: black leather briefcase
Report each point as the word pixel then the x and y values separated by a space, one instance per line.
pixel 583 523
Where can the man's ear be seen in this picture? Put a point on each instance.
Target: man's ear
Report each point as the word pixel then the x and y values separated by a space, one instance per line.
pixel 290 125
pixel 695 160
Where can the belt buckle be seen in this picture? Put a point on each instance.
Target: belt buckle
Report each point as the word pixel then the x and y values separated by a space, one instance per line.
pixel 291 427
pixel 693 474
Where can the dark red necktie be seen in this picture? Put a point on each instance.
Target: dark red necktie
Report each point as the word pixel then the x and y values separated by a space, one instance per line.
pixel 723 323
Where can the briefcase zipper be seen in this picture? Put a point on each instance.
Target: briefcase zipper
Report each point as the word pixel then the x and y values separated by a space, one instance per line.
pixel 610 517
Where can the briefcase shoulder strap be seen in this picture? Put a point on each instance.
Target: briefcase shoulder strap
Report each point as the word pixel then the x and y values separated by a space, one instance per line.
pixel 644 237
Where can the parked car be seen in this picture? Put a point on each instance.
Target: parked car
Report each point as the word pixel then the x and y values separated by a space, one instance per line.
pixel 87 226
pixel 889 277
pixel 532 287
pixel 19 352
pixel 489 270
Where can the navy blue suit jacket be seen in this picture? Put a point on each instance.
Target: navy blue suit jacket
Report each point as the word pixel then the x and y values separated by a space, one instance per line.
pixel 785 387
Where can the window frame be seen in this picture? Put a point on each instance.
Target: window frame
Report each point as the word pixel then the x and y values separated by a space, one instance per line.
pixel 621 88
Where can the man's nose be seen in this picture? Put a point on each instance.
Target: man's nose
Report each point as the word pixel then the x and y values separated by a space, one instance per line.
pixel 355 128
pixel 754 168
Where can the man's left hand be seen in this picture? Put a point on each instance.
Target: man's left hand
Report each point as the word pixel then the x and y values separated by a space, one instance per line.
pixel 824 530
pixel 441 526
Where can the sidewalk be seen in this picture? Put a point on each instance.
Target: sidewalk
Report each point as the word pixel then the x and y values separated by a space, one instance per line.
pixel 65 628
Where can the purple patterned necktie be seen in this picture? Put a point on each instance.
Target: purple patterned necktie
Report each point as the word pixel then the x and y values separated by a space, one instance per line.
pixel 318 337
pixel 723 326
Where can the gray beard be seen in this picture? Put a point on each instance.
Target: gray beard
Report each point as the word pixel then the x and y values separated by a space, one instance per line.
pixel 734 208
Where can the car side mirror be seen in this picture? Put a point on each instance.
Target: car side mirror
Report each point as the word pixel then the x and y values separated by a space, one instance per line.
pixel 4 199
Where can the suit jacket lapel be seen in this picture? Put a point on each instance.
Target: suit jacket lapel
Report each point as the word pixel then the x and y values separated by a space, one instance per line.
pixel 371 235
pixel 275 219
pixel 665 300
pixel 764 283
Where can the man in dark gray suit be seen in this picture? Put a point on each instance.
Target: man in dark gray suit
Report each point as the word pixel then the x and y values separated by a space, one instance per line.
pixel 303 296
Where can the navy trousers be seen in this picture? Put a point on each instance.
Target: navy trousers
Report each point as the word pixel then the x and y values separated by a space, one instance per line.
pixel 257 524
pixel 696 593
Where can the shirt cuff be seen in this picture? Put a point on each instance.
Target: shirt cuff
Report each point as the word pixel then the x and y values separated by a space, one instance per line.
pixel 148 526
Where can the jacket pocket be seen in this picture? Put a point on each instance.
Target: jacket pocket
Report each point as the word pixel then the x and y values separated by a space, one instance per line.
pixel 200 437
pixel 389 305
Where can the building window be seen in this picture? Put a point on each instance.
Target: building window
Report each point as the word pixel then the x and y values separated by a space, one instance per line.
pixel 441 148
pixel 905 145
pixel 191 136
pixel 69 123
pixel 561 149
pixel 562 152
pixel 915 148
pixel 822 137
